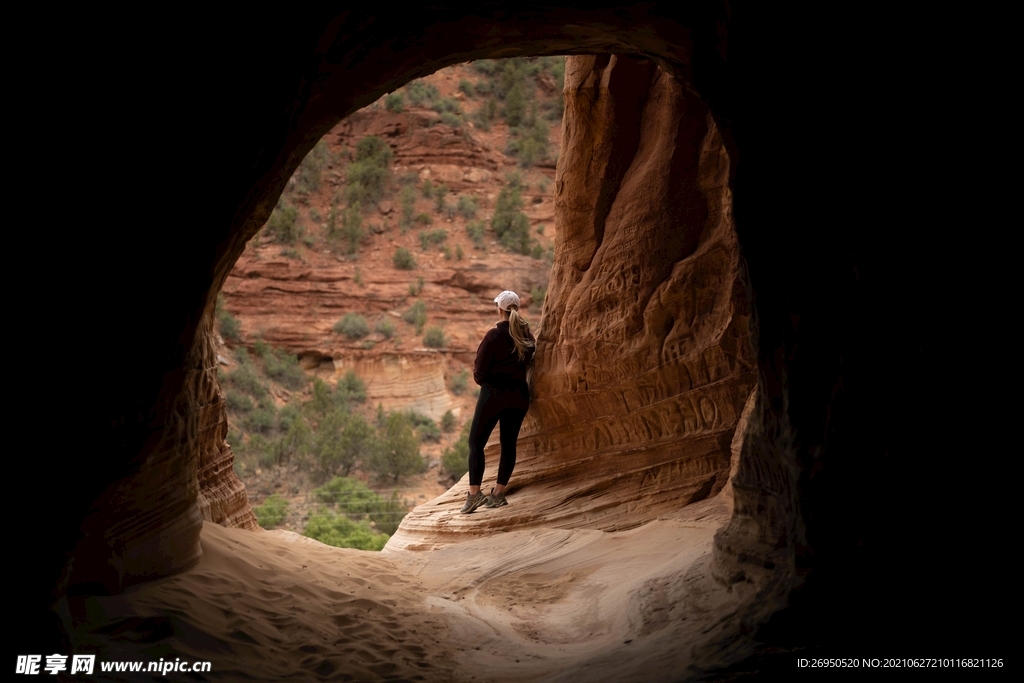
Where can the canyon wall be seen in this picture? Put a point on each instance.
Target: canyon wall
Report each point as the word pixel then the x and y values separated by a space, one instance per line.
pixel 644 360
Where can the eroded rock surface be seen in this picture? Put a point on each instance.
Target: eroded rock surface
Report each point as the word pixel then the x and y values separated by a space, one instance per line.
pixel 644 361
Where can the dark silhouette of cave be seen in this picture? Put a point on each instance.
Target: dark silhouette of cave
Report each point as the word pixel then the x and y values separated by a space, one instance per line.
pixel 199 121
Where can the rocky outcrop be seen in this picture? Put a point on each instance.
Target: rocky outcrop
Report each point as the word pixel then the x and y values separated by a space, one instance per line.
pixel 644 361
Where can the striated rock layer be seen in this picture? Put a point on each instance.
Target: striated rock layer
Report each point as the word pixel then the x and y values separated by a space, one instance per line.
pixel 644 360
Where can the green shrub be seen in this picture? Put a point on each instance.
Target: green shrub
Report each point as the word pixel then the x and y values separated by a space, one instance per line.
pixel 427 189
pixel 486 113
pixel 399 454
pixel 440 197
pixel 403 260
pixel 394 102
pixel 420 91
pixel 245 379
pixel 309 172
pixel 475 230
pixel 486 66
pixel 341 441
pixel 350 388
pixel 358 277
pixel 515 104
pixel 261 420
pixel 292 254
pixel 416 287
pixel 509 222
pixel 230 328
pixel 466 87
pixel 408 199
pixel 459 381
pixel 271 512
pixel 449 119
pixel 385 326
pixel 455 460
pixel 537 293
pixel 351 232
pixel 237 402
pixel 341 532
pixel 529 141
pixel 353 498
pixel 432 237
pixel 368 174
pixel 416 315
pixel 283 368
pixel 352 326
pixel 283 222
pixel 434 338
pixel 424 218
pixel 467 206
pixel 447 251
pixel 537 252
pixel 426 428
pixel 448 421
pixel 458 252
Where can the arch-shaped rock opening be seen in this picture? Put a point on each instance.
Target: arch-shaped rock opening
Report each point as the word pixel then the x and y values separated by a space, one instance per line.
pixel 821 429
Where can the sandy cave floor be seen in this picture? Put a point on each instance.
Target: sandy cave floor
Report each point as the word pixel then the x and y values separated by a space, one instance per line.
pixel 532 605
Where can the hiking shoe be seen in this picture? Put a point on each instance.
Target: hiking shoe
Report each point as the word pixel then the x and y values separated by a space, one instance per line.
pixel 495 500
pixel 473 502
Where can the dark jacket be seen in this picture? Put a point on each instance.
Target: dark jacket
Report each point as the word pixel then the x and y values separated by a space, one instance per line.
pixel 497 363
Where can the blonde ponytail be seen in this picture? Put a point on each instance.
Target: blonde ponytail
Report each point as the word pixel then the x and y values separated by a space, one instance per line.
pixel 519 330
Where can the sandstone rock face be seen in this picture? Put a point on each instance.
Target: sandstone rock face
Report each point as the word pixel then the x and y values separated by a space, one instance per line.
pixel 644 360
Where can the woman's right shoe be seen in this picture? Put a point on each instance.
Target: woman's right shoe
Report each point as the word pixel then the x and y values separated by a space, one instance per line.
pixel 473 502
pixel 495 500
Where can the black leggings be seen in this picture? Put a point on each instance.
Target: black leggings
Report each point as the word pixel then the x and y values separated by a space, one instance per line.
pixel 507 406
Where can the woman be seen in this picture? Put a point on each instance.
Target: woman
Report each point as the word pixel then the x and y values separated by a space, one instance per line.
pixel 500 369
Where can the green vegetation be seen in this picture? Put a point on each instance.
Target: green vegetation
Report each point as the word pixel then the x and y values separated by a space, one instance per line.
pixel 341 440
pixel 403 260
pixel 459 382
pixel 455 461
pixel 350 388
pixel 272 512
pixel 466 87
pixel 537 293
pixel 354 499
pixel 416 287
pixel 425 428
pixel 368 174
pixel 440 197
pixel 420 91
pixel 352 326
pixel 292 254
pixel 416 315
pixel 434 338
pixel 475 230
pixel 351 232
pixel 424 218
pixel 358 277
pixel 459 254
pixel 408 200
pixel 283 224
pixel 331 528
pixel 427 189
pixel 230 328
pixel 385 326
pixel 394 102
pixel 447 421
pixel 432 237
pixel 467 206
pixel 399 454
pixel 509 222
pixel 280 366
pixel 308 175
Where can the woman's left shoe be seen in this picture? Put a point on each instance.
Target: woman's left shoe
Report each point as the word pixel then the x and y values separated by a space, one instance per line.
pixel 495 500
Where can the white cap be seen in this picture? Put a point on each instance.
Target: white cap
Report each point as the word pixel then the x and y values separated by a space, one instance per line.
pixel 506 299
